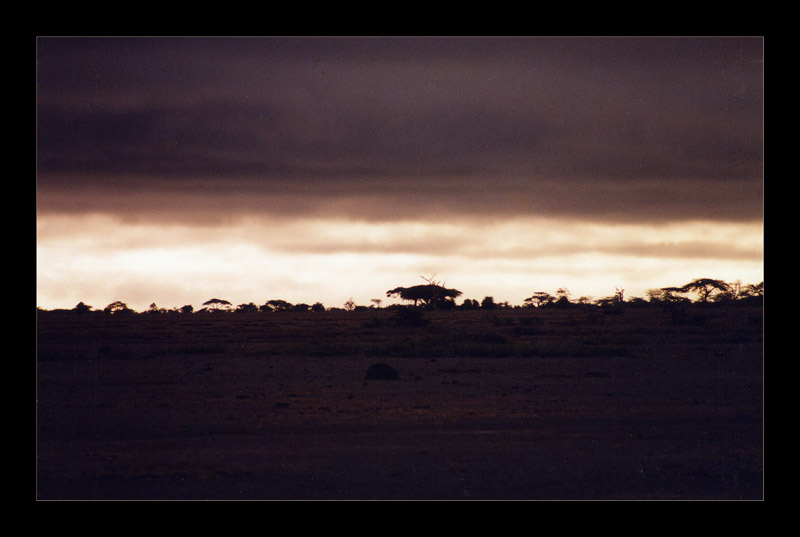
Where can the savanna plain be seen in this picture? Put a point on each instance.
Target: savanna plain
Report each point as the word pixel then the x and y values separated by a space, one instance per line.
pixel 639 403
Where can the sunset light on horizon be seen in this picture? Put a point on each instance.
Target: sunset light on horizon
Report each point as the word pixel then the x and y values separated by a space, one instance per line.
pixel 176 170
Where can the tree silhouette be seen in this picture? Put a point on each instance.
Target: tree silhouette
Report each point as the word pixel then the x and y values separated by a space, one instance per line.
pixel 117 307
pixel 655 295
pixel 276 305
pixel 704 287
pixel 470 304
pixel 435 295
pixel 562 302
pixel 82 308
pixel 488 303
pixel 217 304
pixel 155 309
pixel 539 299
pixel 431 295
pixel 619 295
pixel 669 294
pixel 753 289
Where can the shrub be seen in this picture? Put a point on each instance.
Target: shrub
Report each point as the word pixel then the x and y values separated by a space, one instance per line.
pixel 382 371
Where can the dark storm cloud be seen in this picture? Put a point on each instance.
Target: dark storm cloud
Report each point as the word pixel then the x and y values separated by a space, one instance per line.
pixel 616 128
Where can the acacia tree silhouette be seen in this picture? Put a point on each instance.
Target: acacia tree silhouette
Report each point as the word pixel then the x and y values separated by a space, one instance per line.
pixel 432 295
pixel 539 298
pixel 704 287
pixel 217 304
pixel 435 295
pixel 276 305
pixel 117 307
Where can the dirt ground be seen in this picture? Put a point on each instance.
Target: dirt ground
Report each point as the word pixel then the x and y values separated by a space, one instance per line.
pixel 195 409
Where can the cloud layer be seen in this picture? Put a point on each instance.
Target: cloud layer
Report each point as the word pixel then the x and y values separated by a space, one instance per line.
pixel 601 129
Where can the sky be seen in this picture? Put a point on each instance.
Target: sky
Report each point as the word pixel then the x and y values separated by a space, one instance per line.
pixel 309 169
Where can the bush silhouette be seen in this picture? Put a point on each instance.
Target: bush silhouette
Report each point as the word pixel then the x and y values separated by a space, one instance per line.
pixel 382 371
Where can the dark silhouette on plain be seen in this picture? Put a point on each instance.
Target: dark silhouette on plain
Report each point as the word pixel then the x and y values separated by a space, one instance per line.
pixel 436 296
pixel 382 371
pixel 217 304
pixel 431 296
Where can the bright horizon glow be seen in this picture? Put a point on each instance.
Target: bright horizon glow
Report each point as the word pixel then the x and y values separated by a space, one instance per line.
pixel 98 259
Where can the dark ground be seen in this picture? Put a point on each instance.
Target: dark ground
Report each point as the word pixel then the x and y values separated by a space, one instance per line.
pixel 507 404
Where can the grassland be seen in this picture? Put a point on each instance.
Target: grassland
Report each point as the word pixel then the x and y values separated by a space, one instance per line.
pixel 519 404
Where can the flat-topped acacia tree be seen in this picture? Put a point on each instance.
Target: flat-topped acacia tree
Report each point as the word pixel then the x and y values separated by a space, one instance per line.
pixel 217 304
pixel 431 295
pixel 704 287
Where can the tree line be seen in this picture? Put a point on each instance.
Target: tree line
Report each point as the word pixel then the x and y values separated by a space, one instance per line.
pixel 435 295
